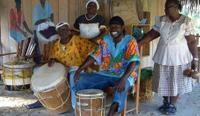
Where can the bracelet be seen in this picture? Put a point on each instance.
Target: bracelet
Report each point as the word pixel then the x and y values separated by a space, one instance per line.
pixel 196 59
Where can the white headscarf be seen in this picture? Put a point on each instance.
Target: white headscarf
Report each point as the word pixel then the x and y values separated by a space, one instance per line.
pixel 95 1
pixel 60 24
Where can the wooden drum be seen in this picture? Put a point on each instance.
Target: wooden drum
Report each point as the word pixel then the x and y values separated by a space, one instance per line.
pixel 51 87
pixel 90 102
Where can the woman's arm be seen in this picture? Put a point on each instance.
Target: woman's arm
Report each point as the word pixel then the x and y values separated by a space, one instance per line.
pixel 149 36
pixel 192 45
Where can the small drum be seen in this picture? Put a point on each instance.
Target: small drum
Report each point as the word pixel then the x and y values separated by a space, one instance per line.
pixel 17 75
pixel 51 87
pixel 90 102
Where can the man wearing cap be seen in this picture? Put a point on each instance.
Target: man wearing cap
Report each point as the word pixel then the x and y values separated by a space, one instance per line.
pixel 118 57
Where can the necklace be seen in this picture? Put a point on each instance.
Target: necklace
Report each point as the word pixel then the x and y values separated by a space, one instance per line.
pixel 63 45
pixel 89 19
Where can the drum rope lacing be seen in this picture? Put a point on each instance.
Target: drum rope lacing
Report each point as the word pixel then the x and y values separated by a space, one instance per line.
pixel 63 101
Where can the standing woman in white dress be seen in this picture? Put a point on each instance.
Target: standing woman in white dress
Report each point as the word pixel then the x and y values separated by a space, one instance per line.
pixel 176 52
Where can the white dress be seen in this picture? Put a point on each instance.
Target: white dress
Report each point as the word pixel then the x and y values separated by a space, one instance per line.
pixel 172 57
pixel 172 49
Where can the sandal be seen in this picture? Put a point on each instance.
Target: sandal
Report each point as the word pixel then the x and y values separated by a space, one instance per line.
pixel 35 105
pixel 170 110
pixel 164 106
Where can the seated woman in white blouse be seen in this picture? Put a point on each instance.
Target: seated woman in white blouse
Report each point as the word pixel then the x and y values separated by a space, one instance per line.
pixel 176 52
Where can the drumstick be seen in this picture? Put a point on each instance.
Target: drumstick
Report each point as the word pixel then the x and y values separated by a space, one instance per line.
pixel 21 46
pixel 7 54
pixel 29 46
pixel 18 49
pixel 32 48
pixel 25 44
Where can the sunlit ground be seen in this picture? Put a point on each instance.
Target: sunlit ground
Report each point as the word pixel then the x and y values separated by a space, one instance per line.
pixel 14 102
pixel 11 104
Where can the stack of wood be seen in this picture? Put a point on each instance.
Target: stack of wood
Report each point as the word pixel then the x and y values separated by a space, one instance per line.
pixel 46 51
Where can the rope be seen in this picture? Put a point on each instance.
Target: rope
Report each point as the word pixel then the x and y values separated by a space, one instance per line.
pixel 55 88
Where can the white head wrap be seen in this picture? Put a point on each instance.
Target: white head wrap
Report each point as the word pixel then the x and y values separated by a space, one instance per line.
pixel 60 24
pixel 95 1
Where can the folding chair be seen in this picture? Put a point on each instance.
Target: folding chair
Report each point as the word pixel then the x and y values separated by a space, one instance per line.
pixel 137 84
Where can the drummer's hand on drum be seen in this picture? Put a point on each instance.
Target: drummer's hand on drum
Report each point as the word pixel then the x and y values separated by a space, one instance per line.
pixel 120 85
pixel 51 62
pixel 76 76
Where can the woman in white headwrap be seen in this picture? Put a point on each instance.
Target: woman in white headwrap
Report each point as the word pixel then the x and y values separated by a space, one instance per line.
pixel 90 25
pixel 67 50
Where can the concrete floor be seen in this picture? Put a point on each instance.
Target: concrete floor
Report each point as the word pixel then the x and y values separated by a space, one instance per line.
pixel 11 104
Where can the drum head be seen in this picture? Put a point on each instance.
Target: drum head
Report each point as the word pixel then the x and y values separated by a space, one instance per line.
pixel 45 77
pixel 90 93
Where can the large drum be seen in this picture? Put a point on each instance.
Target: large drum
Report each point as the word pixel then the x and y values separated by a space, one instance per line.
pixel 90 102
pixel 17 75
pixel 51 87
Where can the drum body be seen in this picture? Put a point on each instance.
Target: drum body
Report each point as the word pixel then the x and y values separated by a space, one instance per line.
pixel 17 75
pixel 90 102
pixel 51 87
